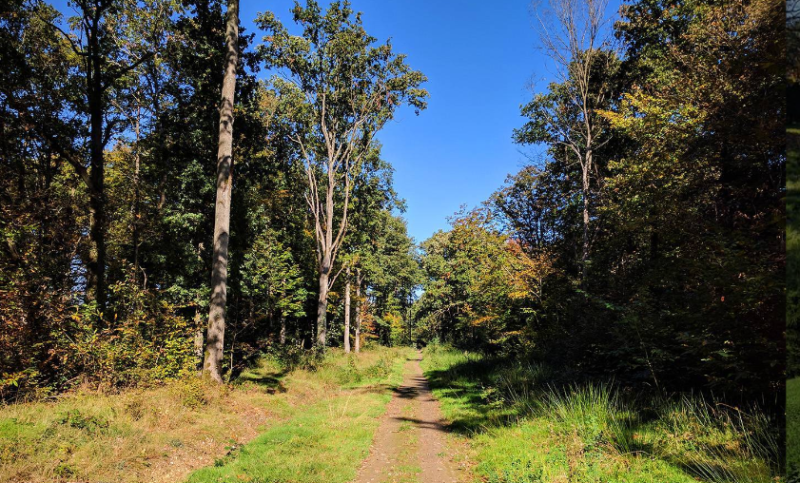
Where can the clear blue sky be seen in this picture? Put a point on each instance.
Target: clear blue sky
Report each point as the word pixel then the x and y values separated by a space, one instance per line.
pixel 481 59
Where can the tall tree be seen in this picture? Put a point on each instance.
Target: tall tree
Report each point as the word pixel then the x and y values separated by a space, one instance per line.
pixel 222 218
pixel 575 36
pixel 359 313
pixel 350 88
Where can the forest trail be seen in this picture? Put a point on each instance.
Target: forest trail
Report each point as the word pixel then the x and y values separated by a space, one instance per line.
pixel 409 446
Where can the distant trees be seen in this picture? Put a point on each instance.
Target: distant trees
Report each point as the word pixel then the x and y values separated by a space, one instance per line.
pixel 480 284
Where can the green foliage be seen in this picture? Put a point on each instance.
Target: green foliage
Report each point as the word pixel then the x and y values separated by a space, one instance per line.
pixel 90 424
pixel 372 74
pixel 480 284
pixel 793 252
pixel 681 286
pixel 271 279
pixel 793 429
pixel 386 257
pixel 147 342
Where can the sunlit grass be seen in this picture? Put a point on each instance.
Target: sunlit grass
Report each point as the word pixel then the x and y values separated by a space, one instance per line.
pixel 793 298
pixel 163 434
pixel 325 441
pixel 523 430
pixel 793 426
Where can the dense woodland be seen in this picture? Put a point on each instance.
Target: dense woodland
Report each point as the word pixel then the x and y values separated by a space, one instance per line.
pixel 792 221
pixel 647 243
pixel 644 243
pixel 110 128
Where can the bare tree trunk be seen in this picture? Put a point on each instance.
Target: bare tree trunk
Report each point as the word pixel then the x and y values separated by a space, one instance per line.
pixel 136 208
pixel 358 311
pixel 283 330
pixel 586 203
pixel 198 343
pixel 322 305
pixel 222 217
pixel 347 311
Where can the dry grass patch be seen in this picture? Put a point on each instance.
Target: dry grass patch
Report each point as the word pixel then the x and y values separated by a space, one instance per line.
pixel 161 434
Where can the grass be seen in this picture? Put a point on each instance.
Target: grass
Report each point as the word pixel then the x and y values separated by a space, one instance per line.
pixel 290 418
pixel 323 442
pixel 519 429
pixel 793 428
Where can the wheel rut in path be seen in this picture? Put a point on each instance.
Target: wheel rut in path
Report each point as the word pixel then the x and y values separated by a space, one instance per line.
pixel 410 444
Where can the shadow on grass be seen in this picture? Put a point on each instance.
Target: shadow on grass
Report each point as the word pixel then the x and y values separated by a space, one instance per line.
pixel 483 393
pixel 272 382
pixel 465 383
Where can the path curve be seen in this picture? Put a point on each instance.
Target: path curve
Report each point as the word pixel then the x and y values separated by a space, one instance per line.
pixel 410 442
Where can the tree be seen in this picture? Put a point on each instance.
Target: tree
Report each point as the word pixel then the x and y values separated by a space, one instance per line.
pixel 105 59
pixel 575 36
pixel 219 270
pixel 347 310
pixel 272 281
pixel 480 286
pixel 41 201
pixel 390 275
pixel 350 88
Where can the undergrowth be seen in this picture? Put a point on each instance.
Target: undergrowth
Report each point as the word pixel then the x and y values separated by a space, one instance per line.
pixel 523 427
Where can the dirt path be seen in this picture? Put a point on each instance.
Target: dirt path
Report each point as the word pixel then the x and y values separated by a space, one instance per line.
pixel 409 446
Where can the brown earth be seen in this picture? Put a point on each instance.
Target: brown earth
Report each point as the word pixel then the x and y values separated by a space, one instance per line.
pixel 410 444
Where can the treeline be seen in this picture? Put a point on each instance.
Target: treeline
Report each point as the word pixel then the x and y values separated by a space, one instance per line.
pixel 111 124
pixel 647 243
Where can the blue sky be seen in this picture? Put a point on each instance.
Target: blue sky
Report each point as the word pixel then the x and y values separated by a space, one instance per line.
pixel 481 59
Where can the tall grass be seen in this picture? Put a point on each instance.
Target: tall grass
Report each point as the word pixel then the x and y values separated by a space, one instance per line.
pixel 522 423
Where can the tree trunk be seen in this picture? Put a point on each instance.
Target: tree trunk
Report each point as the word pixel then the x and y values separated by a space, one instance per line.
pixel 358 311
pixel 347 311
pixel 222 217
pixel 198 343
pixel 586 170
pixel 283 330
pixel 325 261
pixel 322 307
pixel 136 208
pixel 97 202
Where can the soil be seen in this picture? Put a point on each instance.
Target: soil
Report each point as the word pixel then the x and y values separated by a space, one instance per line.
pixel 410 444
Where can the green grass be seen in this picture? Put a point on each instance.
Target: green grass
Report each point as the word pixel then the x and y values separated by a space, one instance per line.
pixel 325 441
pixel 793 427
pixel 314 419
pixel 518 429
